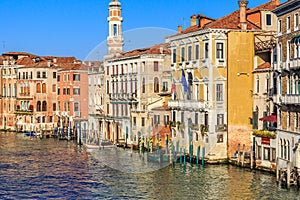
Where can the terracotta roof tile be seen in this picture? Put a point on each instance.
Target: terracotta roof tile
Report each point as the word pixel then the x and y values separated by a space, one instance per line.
pixel 25 61
pixel 231 21
pixel 72 66
pixel 156 49
pixel 19 54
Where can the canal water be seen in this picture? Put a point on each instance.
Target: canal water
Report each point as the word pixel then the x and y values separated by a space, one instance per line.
pixel 53 169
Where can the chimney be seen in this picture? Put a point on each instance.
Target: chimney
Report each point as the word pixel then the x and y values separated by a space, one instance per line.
pixel 179 29
pixel 277 2
pixel 243 5
pixel 193 20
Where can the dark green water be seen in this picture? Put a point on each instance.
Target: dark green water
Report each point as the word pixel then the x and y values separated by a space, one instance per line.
pixel 52 169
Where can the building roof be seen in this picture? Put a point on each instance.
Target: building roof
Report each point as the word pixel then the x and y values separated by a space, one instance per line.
pixel 72 66
pixel 19 54
pixel 25 61
pixel 1 60
pixel 156 49
pixel 232 20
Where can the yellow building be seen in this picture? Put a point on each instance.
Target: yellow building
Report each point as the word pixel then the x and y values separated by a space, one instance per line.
pixel 212 67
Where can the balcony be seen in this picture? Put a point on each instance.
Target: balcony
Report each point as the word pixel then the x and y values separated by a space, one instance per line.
pixel 290 99
pixel 23 112
pixel 221 128
pixel 295 63
pixel 77 114
pixel 187 104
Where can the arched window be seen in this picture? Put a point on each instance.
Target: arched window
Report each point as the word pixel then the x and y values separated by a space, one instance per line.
pixel 38 106
pixel 44 106
pixel 156 85
pixel 44 88
pixel 285 150
pixel 281 148
pixel 38 88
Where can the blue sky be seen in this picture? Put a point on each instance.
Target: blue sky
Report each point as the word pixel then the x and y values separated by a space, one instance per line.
pixel 75 27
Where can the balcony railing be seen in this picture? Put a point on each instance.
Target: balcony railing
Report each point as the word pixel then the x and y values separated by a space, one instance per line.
pixel 221 128
pixel 291 99
pixel 187 104
pixel 295 63
pixel 23 112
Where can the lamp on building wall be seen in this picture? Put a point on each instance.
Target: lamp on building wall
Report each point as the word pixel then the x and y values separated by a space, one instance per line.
pixel 242 73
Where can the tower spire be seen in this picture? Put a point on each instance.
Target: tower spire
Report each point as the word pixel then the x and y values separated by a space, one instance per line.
pixel 115 36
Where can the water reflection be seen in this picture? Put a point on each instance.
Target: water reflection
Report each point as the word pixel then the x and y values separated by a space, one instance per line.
pixel 55 169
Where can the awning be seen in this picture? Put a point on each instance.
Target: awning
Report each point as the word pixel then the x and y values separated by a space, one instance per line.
pixel 270 118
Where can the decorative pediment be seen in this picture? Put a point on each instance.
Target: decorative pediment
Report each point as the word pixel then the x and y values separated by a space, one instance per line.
pixel 181 42
pixel 221 37
pixel 220 78
pixel 173 44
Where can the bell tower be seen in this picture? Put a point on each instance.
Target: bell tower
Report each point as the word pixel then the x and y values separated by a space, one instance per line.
pixel 115 37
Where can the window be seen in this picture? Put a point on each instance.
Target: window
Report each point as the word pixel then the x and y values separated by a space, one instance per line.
pixel 76 106
pixel 68 91
pixel 166 119
pixel 76 91
pixel 134 121
pixel 288 24
pixel 155 66
pixel 206 50
pixel 182 54
pixel 189 53
pixel 58 91
pixel 156 119
pixel 53 88
pixel 267 153
pixel 115 29
pixel 38 106
pixel 296 21
pixel 257 85
pixel 38 74
pixel 220 51
pixel 174 116
pixel 144 85
pixel 58 105
pixel 268 20
pixel 197 52
pixel 143 121
pixel 44 106
pixel 65 77
pixel 165 86
pixel 182 117
pixel 279 26
pixel 44 88
pixel 196 118
pixel 220 119
pixel 44 75
pixel 219 95
pixel 54 106
pixel 54 75
pixel 220 138
pixel 156 85
pixel 38 88
pixel 174 56
pixel 58 78
pixel 258 155
pixel 65 91
pixel 76 77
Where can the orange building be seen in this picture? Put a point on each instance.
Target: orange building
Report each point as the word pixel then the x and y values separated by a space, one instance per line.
pixel 72 95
